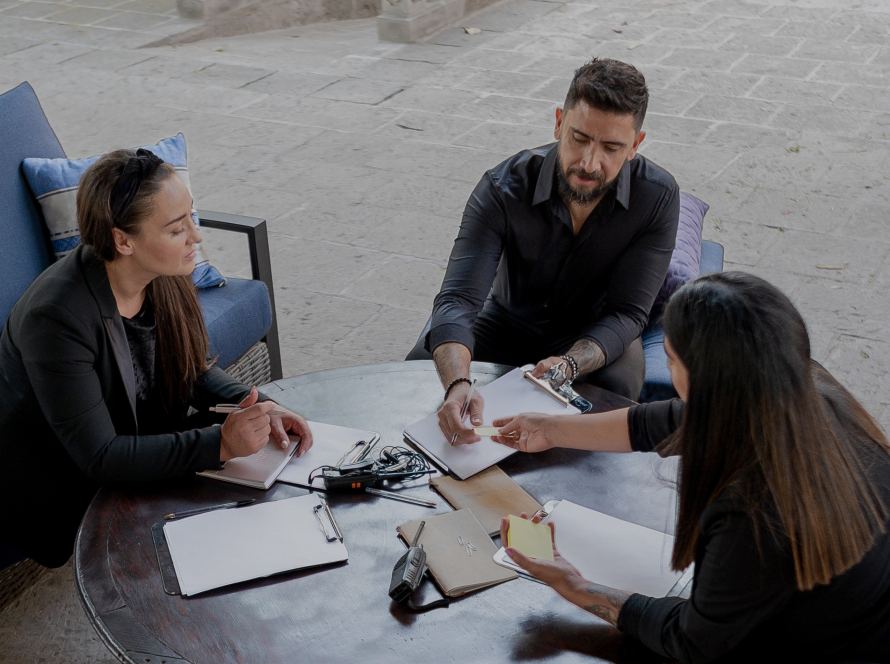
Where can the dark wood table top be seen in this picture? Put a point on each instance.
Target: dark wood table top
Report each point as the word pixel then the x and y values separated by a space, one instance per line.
pixel 342 613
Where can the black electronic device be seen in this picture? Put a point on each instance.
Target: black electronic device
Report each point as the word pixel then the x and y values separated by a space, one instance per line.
pixel 391 463
pixel 408 572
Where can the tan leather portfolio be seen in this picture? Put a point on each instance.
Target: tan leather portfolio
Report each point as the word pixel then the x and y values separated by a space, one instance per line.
pixel 489 495
pixel 458 551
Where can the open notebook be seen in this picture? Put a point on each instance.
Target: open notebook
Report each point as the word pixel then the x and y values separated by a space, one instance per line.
pixel 329 444
pixel 258 470
pixel 219 548
pixel 510 394
pixel 611 552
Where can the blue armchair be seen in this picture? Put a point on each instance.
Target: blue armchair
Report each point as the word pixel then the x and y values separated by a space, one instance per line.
pixel 240 316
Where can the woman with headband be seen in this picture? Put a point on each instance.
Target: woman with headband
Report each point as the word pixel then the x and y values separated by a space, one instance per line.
pixel 103 357
pixel 783 494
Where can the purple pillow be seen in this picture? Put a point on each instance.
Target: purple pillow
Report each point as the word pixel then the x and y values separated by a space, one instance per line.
pixel 686 259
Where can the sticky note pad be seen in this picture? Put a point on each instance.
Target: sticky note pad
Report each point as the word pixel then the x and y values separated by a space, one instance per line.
pixel 532 539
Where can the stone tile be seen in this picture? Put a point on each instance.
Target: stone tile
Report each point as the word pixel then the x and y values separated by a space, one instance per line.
pixel 296 362
pixel 308 263
pixel 290 83
pixel 505 139
pixel 162 67
pixel 12 45
pixel 672 102
pixel 787 164
pixel 404 72
pixel 733 8
pixel 665 18
pixel 458 37
pixel 854 96
pixel 51 53
pixel 32 9
pixel 734 109
pixel 325 216
pixel 774 46
pixel 835 51
pixel 804 252
pixel 764 65
pixel 419 194
pixel 312 112
pixel 316 321
pixel 390 335
pixel 428 127
pixel 504 83
pixel 846 309
pixel 796 210
pixel 425 235
pixel 107 60
pixel 746 26
pixel 227 76
pixel 783 89
pixel 149 6
pixel 81 15
pixel 849 74
pixel 505 61
pixel 860 365
pixel 403 283
pixel 813 30
pixel 477 161
pixel 359 91
pixel 731 85
pixel 554 90
pixel 419 158
pixel 434 100
pixel 498 108
pixel 867 222
pixel 133 21
pixel 446 76
pixel 745 244
pixel 688 164
pixel 702 58
pixel 553 65
pixel 268 204
pixel 672 129
pixel 797 14
pixel 835 121
pixel 433 53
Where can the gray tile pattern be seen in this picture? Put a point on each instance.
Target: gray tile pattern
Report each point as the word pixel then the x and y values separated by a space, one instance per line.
pixel 361 155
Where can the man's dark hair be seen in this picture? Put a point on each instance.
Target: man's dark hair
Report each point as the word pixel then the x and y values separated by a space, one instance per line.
pixel 611 86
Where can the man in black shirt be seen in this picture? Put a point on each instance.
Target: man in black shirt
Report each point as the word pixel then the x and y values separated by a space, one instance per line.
pixel 561 252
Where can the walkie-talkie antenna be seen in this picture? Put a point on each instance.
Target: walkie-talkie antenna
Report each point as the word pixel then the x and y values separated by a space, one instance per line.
pixel 417 534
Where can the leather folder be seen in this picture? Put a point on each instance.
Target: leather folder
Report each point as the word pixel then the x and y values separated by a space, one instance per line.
pixel 490 495
pixel 458 552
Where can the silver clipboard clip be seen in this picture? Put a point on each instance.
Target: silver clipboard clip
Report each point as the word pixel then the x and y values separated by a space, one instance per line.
pixel 563 394
pixel 324 507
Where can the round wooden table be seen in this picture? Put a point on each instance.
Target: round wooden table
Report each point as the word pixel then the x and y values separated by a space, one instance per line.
pixel 342 613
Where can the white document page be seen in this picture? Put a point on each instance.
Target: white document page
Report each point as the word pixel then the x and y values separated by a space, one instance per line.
pixel 232 545
pixel 329 443
pixel 614 553
pixel 258 470
pixel 511 394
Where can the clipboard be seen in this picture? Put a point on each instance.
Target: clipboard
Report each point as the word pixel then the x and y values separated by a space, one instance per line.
pixel 564 394
pixel 321 513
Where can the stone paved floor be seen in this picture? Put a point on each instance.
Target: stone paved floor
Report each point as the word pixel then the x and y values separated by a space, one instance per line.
pixel 362 154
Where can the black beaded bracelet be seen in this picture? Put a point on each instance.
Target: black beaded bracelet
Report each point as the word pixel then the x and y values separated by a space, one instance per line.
pixel 571 361
pixel 455 382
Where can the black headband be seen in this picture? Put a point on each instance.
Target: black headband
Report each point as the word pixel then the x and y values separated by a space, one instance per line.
pixel 134 173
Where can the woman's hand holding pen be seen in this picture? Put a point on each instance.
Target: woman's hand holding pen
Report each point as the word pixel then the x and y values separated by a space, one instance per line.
pixel 247 431
pixel 531 432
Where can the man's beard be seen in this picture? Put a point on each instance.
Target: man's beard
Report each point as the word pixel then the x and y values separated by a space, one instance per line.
pixel 583 196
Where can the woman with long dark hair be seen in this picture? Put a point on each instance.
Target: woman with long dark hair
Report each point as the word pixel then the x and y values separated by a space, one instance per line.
pixel 103 357
pixel 783 491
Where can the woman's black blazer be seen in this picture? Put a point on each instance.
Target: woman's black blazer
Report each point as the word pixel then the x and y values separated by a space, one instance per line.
pixel 68 410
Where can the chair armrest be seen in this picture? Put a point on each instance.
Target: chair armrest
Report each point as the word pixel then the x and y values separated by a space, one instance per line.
pixel 260 267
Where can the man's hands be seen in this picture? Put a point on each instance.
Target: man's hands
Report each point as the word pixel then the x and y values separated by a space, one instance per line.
pixel 531 432
pixel 450 421
pixel 603 602
pixel 247 431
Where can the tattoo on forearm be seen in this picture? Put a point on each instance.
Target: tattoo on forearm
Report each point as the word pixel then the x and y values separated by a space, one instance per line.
pixel 608 605
pixel 588 355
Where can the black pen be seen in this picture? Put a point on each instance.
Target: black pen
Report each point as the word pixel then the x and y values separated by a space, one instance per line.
pixel 224 506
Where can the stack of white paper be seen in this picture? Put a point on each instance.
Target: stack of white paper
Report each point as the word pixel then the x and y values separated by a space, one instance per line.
pixel 228 546
pixel 511 394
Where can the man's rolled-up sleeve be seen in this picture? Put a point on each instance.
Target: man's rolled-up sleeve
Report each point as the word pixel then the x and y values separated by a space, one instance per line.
pixel 636 280
pixel 471 268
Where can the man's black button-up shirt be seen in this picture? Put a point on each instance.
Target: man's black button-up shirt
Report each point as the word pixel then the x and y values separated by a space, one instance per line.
pixel 517 245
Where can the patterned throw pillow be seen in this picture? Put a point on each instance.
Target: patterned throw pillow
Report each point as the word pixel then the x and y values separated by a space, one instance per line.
pixel 686 259
pixel 54 183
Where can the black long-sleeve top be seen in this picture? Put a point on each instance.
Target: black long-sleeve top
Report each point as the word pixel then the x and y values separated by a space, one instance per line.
pixel 69 410
pixel 745 605
pixel 517 242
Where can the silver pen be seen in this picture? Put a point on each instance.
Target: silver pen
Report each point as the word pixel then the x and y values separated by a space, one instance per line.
pixel 232 408
pixel 463 411
pixel 398 496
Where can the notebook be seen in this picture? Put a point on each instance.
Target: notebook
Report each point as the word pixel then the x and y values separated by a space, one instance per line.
pixel 490 495
pixel 458 552
pixel 329 444
pixel 257 470
pixel 510 394
pixel 611 552
pixel 228 546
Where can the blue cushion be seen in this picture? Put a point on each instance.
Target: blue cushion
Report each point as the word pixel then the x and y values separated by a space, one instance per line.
pixel 54 183
pixel 237 316
pixel 24 247
pixel 686 258
pixel 658 385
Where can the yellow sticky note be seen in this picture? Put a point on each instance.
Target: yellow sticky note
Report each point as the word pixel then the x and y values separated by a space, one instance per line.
pixel 531 539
